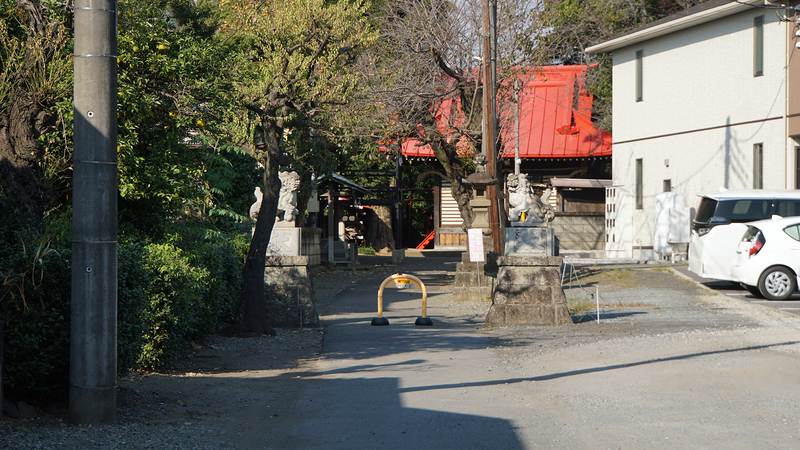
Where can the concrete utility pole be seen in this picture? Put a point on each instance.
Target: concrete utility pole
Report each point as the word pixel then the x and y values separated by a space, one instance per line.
pixel 489 119
pixel 93 342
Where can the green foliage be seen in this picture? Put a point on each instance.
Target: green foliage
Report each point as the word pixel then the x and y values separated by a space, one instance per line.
pixel 175 310
pixel 194 281
pixel 294 72
pixel 182 184
pixel 34 304
pixel 168 293
pixel 56 140
pixel 172 92
pixel 41 61
pixel 133 282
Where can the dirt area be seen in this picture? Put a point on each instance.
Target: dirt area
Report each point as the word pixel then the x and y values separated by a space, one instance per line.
pixel 211 381
pixel 233 392
pixel 187 390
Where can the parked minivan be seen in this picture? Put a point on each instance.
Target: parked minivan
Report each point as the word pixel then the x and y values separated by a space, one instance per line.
pixel 718 225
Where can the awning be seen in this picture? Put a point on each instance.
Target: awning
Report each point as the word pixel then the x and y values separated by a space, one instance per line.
pixel 579 182
pixel 342 181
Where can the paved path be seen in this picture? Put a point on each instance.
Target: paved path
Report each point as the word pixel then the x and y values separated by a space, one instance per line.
pixel 731 289
pixel 667 367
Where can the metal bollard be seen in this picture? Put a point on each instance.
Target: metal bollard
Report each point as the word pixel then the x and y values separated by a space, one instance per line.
pixel 400 279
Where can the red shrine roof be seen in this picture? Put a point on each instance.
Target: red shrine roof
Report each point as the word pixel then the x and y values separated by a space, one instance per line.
pixel 554 118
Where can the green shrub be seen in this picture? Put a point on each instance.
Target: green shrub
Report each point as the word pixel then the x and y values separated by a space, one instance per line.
pixel 366 251
pixel 176 311
pixel 132 291
pixel 222 254
pixel 168 293
pixel 194 283
pixel 34 304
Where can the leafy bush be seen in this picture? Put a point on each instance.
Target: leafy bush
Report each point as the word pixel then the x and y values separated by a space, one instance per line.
pixel 176 310
pixel 132 294
pixel 366 251
pixel 194 282
pixel 34 304
pixel 168 293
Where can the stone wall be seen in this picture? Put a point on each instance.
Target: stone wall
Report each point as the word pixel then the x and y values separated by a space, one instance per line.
pixel 290 292
pixel 310 245
pixel 579 231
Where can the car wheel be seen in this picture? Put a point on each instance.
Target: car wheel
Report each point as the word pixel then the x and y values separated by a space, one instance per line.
pixel 752 289
pixel 777 283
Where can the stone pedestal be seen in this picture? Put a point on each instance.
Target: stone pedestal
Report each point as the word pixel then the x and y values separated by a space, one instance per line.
pixel 284 240
pixel 398 255
pixel 528 292
pixel 468 274
pixel 310 245
pixel 530 241
pixel 289 292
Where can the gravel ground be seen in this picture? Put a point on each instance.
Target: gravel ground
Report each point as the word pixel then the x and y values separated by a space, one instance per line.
pixel 205 401
pixel 198 403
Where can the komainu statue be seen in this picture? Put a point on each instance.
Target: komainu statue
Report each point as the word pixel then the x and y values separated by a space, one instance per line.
pixel 523 200
pixel 255 207
pixel 287 199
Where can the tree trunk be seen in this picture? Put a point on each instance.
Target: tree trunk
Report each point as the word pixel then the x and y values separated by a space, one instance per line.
pixel 19 151
pixel 255 317
pixel 455 173
pixel 381 235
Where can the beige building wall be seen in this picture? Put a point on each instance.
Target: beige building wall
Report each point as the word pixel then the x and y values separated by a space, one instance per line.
pixel 702 112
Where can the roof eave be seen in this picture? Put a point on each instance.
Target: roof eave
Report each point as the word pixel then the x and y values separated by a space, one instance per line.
pixel 680 23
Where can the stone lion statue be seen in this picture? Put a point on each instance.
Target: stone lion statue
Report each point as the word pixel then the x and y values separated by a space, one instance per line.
pixel 523 200
pixel 287 198
pixel 255 207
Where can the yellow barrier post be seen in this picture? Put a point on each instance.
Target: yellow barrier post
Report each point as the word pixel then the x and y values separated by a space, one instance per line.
pixel 403 280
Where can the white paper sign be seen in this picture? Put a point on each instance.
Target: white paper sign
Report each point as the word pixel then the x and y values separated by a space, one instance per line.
pixel 475 242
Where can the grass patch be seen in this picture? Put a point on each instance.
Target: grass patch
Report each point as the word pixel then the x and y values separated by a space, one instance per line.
pixel 583 305
pixel 580 306
pixel 619 275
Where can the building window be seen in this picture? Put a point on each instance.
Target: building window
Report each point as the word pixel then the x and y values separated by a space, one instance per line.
pixel 667 185
pixel 758 166
pixel 639 75
pixel 639 187
pixel 758 46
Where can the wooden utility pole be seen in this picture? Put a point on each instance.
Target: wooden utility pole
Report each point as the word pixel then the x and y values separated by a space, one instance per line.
pixel 93 338
pixel 489 121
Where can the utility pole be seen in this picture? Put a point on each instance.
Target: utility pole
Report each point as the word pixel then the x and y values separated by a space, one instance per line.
pixel 93 339
pixel 489 118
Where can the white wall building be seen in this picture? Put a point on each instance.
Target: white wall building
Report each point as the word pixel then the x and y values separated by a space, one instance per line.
pixel 703 99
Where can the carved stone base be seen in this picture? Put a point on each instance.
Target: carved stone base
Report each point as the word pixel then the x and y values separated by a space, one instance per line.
pixel 528 292
pixel 290 292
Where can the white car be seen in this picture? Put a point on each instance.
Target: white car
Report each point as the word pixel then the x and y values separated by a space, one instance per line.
pixel 767 258
pixel 720 222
